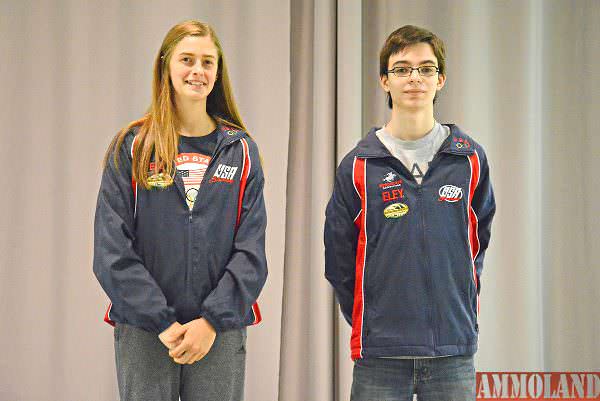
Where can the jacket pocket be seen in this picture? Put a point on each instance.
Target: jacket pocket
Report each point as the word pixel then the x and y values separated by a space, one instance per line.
pixel 397 301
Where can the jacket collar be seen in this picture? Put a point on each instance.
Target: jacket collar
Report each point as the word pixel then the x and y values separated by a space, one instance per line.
pixel 371 146
pixel 228 135
pixel 457 143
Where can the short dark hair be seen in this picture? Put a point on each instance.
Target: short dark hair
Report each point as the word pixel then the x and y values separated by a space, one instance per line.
pixel 409 35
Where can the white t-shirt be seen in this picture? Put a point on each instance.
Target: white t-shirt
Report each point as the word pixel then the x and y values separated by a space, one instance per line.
pixel 415 155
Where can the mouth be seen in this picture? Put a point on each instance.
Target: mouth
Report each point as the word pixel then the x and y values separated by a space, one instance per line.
pixel 195 84
pixel 414 92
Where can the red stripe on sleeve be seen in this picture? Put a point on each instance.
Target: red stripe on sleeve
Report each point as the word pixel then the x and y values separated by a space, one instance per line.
pixel 246 164
pixel 356 340
pixel 257 316
pixel 243 179
pixel 133 183
pixel 107 318
pixel 473 221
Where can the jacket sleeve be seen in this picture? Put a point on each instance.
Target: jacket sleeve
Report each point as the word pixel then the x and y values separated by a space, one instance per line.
pixel 230 302
pixel 341 237
pixel 117 266
pixel 484 206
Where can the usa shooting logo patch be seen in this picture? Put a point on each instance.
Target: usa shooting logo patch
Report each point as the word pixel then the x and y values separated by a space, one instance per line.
pixel 224 173
pixel 450 193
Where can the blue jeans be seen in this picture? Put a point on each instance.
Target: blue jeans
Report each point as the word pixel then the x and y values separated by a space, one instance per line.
pixel 146 372
pixel 432 379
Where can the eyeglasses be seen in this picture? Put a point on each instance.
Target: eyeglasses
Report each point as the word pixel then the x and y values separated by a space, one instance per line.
pixel 424 71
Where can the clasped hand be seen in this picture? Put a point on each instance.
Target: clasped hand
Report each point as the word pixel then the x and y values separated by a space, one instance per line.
pixel 190 342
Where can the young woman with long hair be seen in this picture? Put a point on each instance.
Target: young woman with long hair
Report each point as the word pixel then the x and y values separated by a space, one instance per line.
pixel 180 230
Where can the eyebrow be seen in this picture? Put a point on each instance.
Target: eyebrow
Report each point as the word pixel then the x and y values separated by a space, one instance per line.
pixel 193 55
pixel 421 63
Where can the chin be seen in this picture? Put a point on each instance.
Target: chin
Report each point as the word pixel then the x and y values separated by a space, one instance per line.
pixel 190 95
pixel 413 105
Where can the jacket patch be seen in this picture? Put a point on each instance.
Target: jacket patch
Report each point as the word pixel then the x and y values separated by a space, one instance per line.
pixel 395 210
pixel 389 177
pixel 230 130
pixel 391 184
pixel 460 143
pixel 390 188
pixel 224 173
pixel 393 194
pixel 450 193
pixel 158 180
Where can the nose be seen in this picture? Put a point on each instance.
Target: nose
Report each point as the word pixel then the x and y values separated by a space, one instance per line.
pixel 197 68
pixel 414 75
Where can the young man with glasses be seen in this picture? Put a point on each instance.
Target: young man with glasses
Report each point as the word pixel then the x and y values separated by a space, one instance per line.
pixel 406 231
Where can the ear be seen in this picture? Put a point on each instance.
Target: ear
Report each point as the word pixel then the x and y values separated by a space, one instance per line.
pixel 384 82
pixel 441 81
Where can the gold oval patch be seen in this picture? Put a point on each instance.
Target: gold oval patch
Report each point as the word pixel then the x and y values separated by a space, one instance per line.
pixel 160 180
pixel 395 210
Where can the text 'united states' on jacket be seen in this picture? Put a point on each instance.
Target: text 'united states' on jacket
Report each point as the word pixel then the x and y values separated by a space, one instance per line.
pixel 160 262
pixel 405 259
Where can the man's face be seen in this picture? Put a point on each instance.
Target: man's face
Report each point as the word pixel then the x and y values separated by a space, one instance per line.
pixel 413 92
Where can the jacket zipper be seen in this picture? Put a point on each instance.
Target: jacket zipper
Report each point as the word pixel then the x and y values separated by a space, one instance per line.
pixel 191 211
pixel 421 202
pixel 428 274
pixel 430 167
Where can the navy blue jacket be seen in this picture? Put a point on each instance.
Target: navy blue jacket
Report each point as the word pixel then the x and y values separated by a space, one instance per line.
pixel 160 262
pixel 404 259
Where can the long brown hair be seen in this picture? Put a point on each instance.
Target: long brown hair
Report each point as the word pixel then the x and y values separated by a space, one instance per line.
pixel 158 133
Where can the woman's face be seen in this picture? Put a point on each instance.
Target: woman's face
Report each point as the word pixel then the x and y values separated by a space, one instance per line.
pixel 193 68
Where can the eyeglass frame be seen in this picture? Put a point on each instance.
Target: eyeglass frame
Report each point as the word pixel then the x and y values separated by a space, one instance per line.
pixel 392 71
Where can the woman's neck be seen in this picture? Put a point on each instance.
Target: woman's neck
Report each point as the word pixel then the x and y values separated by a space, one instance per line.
pixel 193 119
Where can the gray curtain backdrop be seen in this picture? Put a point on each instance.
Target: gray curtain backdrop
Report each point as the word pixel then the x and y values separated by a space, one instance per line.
pixel 307 322
pixel 325 124
pixel 522 79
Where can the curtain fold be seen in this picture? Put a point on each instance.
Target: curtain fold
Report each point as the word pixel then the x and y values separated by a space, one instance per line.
pixel 307 353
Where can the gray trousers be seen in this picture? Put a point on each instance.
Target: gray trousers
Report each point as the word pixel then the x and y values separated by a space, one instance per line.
pixel 145 372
